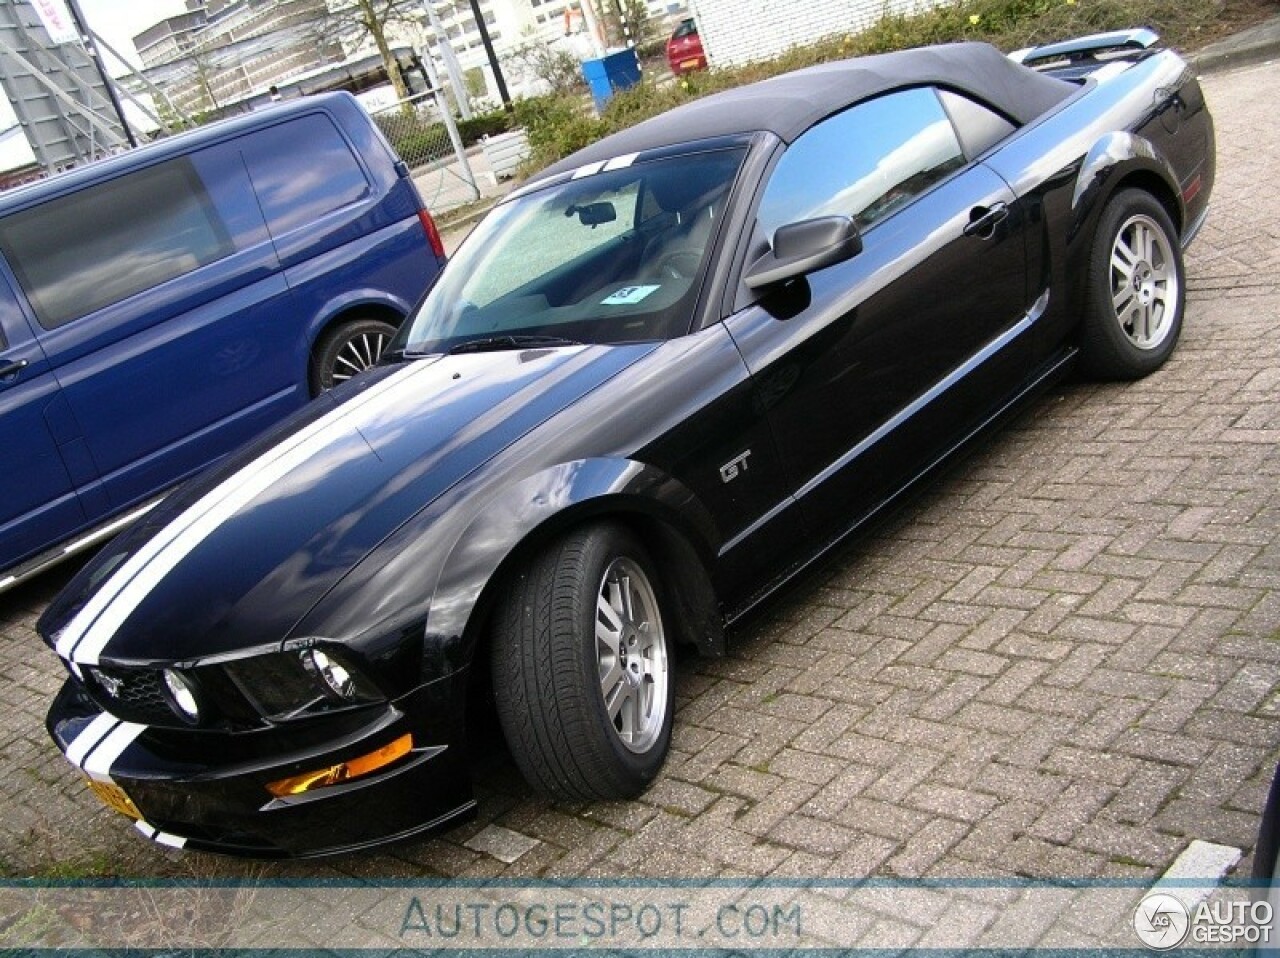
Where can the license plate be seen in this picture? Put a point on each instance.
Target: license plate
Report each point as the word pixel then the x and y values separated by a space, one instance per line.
pixel 113 796
pixel 686 64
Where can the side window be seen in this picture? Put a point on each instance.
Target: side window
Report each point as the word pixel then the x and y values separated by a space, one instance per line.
pixel 302 170
pixel 78 253
pixel 978 127
pixel 864 163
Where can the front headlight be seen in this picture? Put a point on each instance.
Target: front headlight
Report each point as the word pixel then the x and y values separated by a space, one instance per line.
pixel 336 676
pixel 298 684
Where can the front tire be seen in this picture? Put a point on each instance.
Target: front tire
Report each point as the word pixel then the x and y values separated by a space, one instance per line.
pixel 348 350
pixel 1136 289
pixel 582 668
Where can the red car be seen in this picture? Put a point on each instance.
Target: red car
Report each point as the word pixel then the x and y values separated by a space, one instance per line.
pixel 684 49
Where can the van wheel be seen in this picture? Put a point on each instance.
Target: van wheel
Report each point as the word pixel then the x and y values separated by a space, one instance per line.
pixel 582 667
pixel 348 350
pixel 1136 289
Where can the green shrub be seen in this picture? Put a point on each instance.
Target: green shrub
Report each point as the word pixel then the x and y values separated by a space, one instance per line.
pixel 558 125
pixel 483 124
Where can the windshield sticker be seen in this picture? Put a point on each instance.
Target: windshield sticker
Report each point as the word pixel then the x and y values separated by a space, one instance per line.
pixel 628 295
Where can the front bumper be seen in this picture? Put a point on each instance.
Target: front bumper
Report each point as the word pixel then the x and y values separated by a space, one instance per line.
pixel 206 789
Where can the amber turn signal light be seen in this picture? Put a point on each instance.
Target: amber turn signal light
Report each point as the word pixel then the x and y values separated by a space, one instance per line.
pixel 343 771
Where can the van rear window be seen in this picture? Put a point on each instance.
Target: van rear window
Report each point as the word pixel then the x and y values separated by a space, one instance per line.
pixel 302 170
pixel 89 249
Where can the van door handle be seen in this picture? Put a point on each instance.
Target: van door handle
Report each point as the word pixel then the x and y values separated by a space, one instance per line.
pixel 983 220
pixel 12 368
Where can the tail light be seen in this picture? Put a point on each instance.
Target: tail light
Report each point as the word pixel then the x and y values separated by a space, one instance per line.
pixel 433 234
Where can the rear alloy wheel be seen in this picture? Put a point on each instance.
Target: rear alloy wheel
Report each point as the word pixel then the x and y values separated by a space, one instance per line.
pixel 1136 289
pixel 582 668
pixel 347 351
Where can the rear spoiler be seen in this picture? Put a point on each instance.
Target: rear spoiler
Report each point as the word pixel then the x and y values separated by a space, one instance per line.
pixel 1088 48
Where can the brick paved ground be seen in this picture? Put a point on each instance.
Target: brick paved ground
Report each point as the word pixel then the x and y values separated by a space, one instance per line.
pixel 1061 661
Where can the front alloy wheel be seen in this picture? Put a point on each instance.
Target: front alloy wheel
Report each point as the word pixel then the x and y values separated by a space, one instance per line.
pixel 582 667
pixel 631 655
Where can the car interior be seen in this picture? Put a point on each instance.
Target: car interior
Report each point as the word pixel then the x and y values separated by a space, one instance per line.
pixel 643 240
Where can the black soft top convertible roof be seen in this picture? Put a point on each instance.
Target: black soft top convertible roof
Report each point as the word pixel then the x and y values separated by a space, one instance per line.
pixel 788 105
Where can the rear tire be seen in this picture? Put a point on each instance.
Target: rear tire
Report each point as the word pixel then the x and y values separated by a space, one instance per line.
pixel 348 350
pixel 1136 289
pixel 582 667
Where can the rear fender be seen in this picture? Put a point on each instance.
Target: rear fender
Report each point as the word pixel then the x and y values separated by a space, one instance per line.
pixel 1115 159
pixel 1110 161
pixel 523 517
pixel 354 303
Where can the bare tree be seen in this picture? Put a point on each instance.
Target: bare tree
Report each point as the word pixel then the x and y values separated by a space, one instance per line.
pixel 358 19
pixel 626 22
pixel 552 64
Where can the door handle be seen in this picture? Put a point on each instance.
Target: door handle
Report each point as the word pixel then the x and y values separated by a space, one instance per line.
pixel 11 368
pixel 983 220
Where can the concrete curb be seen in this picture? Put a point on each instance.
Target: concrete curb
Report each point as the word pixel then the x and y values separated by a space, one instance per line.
pixel 1243 49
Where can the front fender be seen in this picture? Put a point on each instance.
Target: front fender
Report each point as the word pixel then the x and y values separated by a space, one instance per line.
pixel 532 511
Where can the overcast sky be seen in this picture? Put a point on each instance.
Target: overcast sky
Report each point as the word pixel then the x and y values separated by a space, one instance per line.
pixel 118 20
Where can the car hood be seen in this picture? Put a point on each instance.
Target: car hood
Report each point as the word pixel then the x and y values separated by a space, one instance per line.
pixel 237 558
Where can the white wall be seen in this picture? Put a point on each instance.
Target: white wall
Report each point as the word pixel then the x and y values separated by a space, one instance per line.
pixel 736 31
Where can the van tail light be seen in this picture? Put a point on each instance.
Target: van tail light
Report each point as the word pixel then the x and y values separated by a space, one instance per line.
pixel 433 234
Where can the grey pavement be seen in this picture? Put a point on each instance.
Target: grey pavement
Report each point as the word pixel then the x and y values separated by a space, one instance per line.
pixel 1254 45
pixel 1062 660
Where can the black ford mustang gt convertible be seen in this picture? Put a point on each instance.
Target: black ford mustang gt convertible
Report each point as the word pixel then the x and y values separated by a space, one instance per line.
pixel 655 384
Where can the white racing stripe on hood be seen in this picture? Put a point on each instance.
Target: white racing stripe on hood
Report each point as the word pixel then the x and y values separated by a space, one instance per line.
pixel 88 632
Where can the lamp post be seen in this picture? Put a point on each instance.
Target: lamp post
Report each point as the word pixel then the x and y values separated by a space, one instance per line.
pixel 493 57
pixel 451 66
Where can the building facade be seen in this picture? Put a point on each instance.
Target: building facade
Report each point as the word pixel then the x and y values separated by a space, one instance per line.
pixel 223 51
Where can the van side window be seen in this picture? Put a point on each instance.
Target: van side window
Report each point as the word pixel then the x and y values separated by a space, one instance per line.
pixel 86 250
pixel 302 170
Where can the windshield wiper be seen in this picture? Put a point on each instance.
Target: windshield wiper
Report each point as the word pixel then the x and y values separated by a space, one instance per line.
pixel 494 343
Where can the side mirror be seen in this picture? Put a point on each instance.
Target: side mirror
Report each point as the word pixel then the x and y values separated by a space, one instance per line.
pixel 805 247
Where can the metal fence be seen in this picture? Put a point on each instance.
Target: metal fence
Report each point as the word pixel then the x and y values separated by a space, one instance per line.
pixel 423 134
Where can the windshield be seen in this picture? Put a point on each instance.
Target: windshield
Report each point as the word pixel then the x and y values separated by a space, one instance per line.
pixel 609 257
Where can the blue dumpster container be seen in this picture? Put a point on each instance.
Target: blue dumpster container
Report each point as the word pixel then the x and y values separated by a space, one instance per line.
pixel 610 73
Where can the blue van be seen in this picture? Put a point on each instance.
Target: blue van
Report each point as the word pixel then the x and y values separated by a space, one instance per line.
pixel 161 307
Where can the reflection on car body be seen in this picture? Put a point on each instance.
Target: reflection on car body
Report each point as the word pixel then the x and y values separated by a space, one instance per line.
pixel 656 383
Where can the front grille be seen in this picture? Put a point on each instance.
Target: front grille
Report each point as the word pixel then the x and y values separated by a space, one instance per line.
pixel 135 695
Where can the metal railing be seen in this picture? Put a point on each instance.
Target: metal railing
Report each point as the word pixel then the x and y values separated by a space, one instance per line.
pixel 422 132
